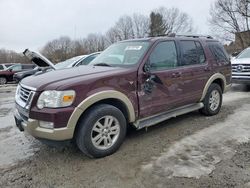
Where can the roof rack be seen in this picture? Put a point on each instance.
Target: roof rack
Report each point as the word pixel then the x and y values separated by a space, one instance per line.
pixel 190 35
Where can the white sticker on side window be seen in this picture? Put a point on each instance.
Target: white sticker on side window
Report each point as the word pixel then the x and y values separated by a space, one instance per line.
pixel 133 48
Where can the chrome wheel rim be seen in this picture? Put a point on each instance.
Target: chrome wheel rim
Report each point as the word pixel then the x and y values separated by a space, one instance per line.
pixel 105 132
pixel 214 100
pixel 2 81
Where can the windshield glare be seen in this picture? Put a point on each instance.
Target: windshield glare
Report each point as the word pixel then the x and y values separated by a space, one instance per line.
pixel 244 54
pixel 67 62
pixel 122 54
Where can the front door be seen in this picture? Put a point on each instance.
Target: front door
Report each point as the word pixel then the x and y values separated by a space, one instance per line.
pixel 160 87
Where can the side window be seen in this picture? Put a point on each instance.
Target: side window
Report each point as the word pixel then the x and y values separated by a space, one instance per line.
pixel 17 68
pixel 164 56
pixel 87 60
pixel 218 51
pixel 1 67
pixel 192 53
pixel 200 52
pixel 25 67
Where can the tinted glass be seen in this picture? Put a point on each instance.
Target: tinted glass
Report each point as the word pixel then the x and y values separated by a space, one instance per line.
pixel 164 56
pixel 189 53
pixel 218 51
pixel 1 67
pixel 28 66
pixel 200 52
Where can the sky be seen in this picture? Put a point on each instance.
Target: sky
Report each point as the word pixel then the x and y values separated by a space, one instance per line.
pixel 32 23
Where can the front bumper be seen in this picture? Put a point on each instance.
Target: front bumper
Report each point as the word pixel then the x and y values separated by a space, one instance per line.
pixel 241 80
pixel 33 128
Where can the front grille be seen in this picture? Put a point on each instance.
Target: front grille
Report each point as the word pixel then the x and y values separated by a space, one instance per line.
pixel 24 96
pixel 241 68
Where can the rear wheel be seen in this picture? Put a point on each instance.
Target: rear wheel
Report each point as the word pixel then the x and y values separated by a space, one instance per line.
pixel 101 131
pixel 3 80
pixel 213 100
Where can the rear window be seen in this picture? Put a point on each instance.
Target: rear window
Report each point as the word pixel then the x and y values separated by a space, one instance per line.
pixel 218 51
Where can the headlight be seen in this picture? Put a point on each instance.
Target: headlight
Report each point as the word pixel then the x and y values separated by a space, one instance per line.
pixel 55 99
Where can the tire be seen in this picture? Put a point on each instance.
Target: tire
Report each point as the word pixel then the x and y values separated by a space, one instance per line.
pixel 90 132
pixel 213 100
pixel 3 80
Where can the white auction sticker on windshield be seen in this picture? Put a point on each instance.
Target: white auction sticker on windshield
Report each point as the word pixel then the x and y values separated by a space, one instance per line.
pixel 133 48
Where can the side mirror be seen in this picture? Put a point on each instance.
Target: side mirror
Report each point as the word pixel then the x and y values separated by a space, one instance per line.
pixel 10 70
pixel 235 54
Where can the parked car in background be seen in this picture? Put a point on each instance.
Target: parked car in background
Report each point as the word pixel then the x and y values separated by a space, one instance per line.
pixel 23 74
pixel 241 68
pixel 69 63
pixel 7 75
pixel 77 61
pixel 136 83
pixel 5 66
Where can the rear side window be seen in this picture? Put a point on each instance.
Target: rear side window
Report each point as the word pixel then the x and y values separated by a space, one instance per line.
pixel 218 51
pixel 1 67
pixel 164 56
pixel 192 53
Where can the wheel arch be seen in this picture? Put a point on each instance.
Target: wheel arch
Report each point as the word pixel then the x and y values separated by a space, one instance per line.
pixel 215 78
pixel 111 97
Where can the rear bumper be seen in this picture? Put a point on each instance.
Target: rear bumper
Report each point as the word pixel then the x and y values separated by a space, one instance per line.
pixel 33 128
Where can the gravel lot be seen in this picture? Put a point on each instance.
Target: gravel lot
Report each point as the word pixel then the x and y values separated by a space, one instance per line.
pixel 188 151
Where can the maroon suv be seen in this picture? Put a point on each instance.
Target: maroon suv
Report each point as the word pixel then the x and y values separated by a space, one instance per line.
pixel 132 83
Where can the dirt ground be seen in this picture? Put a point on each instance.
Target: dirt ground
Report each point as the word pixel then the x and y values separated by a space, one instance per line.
pixel 187 151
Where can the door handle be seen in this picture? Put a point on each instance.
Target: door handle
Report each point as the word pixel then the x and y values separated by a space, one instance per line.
pixel 207 68
pixel 176 75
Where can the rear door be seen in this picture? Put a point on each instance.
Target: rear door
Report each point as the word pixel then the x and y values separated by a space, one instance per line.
pixel 195 70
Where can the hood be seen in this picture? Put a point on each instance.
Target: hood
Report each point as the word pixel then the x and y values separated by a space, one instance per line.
pixel 241 61
pixel 38 59
pixel 60 78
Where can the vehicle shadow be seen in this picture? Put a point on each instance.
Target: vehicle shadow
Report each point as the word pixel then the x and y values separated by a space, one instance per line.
pixel 240 87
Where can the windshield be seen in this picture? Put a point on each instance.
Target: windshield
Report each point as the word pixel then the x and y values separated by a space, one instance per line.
pixel 68 62
pixel 244 54
pixel 123 54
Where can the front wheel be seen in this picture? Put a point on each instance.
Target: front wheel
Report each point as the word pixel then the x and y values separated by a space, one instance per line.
pixel 101 131
pixel 213 100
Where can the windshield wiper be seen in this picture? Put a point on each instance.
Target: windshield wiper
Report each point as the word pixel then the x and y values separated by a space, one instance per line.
pixel 102 64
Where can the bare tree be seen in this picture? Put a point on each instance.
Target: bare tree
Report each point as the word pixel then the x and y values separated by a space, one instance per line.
pixel 243 8
pixel 140 25
pixel 94 43
pixel 175 21
pixel 226 19
pixel 58 50
pixel 9 56
pixel 122 30
pixel 128 27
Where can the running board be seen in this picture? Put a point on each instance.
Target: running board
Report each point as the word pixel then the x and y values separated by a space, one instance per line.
pixel 167 115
